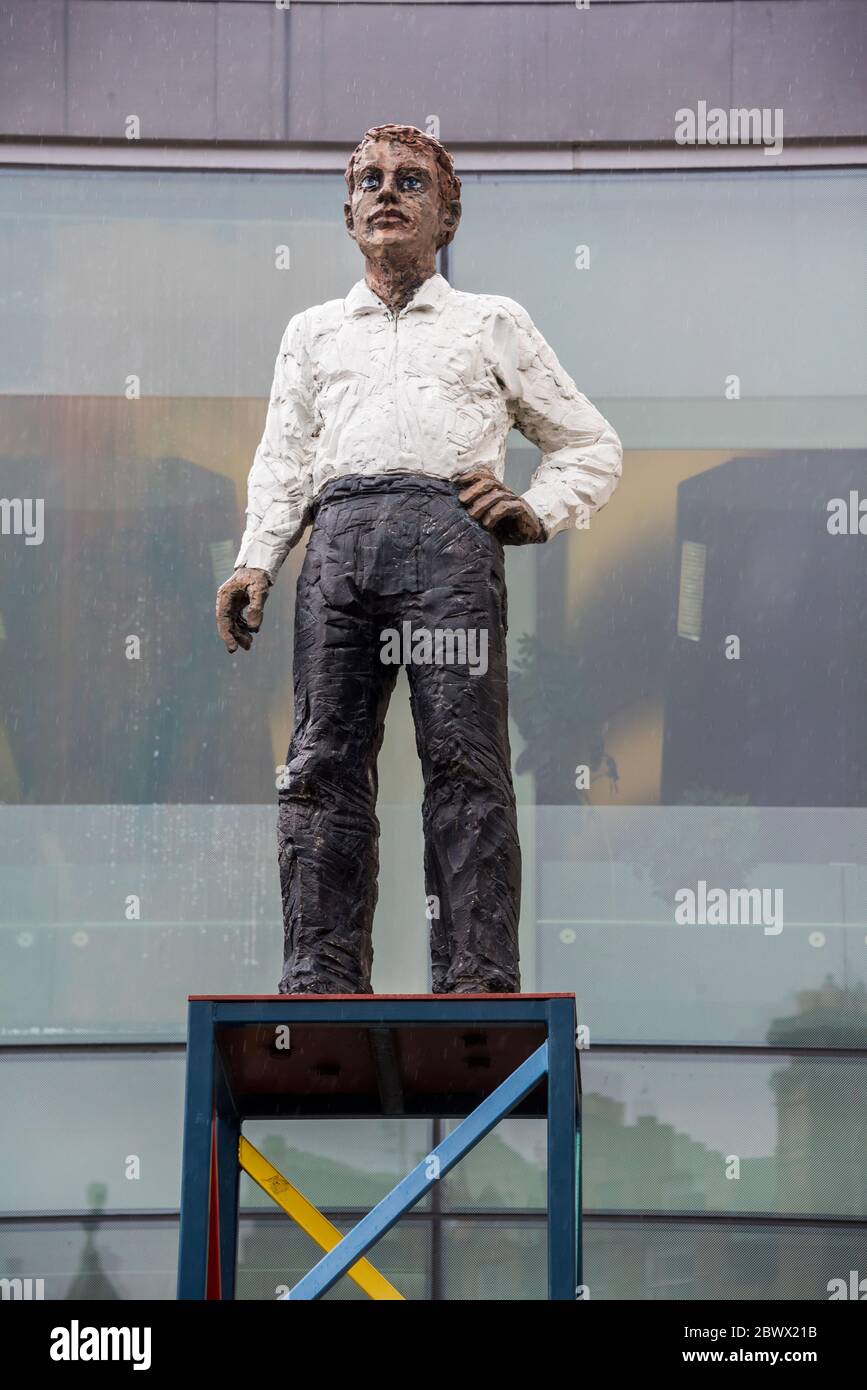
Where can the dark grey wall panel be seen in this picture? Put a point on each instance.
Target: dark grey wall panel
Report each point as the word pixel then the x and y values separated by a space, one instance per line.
pixel 506 72
pixel 810 59
pixel 32 86
pixel 151 60
pixel 251 73
pixel 518 72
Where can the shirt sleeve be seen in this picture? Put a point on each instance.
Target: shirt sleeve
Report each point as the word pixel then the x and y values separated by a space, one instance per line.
pixel 279 488
pixel 582 457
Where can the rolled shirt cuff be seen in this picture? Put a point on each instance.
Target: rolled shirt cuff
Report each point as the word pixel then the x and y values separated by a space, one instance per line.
pixel 549 506
pixel 257 555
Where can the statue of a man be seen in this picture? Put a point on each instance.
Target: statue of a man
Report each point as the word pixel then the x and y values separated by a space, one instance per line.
pixel 387 430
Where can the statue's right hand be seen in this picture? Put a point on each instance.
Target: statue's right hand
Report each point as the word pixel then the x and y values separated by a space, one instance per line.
pixel 246 589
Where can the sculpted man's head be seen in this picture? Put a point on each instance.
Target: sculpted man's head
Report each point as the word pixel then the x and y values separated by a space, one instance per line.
pixel 404 199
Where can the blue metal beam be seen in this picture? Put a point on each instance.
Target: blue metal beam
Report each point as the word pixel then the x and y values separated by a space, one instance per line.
pixel 196 1181
pixel 563 1258
pixel 414 1186
pixel 228 1123
pixel 371 1009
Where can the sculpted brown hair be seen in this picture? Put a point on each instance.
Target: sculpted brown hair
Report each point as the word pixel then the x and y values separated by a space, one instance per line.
pixel 449 183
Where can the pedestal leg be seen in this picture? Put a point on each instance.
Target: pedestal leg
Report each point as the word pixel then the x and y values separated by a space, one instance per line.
pixel 195 1183
pixel 562 1167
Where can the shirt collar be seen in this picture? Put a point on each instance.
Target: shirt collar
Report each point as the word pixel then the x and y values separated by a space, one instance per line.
pixel 432 294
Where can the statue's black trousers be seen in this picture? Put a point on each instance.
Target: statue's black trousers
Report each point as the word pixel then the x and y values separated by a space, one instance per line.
pixel 391 557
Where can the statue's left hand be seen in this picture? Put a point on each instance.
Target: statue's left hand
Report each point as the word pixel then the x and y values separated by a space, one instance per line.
pixel 499 509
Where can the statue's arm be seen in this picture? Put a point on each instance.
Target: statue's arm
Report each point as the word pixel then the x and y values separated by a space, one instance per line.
pixel 582 457
pixel 278 492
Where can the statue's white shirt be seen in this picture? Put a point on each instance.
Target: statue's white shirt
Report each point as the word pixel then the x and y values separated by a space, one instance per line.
pixel 434 391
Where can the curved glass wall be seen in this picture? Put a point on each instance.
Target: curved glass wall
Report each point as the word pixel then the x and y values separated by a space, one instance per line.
pixel 687 695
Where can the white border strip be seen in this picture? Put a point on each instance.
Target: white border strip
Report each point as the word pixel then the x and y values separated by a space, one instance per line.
pixel 470 159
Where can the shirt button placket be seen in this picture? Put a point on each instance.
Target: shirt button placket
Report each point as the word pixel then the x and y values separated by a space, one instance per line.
pixel 395 389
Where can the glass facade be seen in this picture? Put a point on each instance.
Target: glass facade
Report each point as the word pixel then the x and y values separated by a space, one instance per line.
pixel 688 728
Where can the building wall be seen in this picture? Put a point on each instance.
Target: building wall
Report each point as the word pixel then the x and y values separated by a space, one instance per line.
pixel 136 827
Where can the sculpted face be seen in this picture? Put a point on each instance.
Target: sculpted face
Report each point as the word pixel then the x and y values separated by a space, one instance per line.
pixel 395 207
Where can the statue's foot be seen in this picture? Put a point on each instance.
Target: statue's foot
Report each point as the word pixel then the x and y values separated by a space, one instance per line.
pixel 485 986
pixel 320 986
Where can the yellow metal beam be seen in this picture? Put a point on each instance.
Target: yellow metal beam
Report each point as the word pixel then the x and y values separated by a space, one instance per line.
pixel 305 1215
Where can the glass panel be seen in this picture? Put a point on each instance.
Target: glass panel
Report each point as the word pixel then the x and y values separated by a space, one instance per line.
pixel 337 1163
pixel 666 761
pixel 494 1260
pixel 627 919
pixel 112 1110
pixel 509 1168
pixel 102 1261
pixel 205 878
pixel 91 1132
pixel 687 279
pixel 273 1255
pixel 673 1260
pixel 184 279
pixel 720 1134
pixel 146 314
pixel 96 1261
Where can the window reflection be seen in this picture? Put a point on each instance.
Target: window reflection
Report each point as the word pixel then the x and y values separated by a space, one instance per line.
pixel 690 1134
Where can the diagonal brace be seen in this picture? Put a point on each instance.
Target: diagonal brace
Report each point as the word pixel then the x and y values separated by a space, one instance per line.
pixel 414 1186
pixel 310 1220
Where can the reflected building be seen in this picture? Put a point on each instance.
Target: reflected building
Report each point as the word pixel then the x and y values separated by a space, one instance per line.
pixel 758 565
pixel 821 1150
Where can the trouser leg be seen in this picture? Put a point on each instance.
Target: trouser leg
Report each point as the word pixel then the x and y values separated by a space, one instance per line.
pixel 328 831
pixel 472 852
